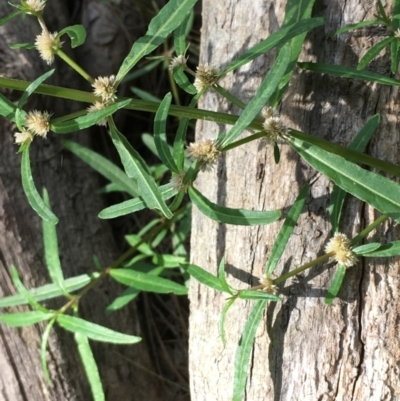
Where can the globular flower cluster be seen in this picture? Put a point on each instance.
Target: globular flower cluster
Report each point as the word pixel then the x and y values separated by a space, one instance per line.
pixel 339 245
pixel 273 125
pixel 96 107
pixel 205 153
pixel 37 123
pixel 268 285
pixel 177 182
pixel 206 77
pixel 35 6
pixel 47 43
pixel 177 61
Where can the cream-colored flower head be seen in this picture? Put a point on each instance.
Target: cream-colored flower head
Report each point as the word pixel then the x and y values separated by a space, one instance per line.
pixel 268 112
pixel 35 6
pixel 273 125
pixel 205 152
pixel 177 182
pixel 96 107
pixel 23 137
pixel 397 34
pixel 177 61
pixel 206 77
pixel 268 285
pixel 339 244
pixel 47 43
pixel 38 122
pixel 104 88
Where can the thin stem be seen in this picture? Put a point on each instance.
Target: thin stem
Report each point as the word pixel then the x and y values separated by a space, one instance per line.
pixel 241 142
pixel 73 65
pixel 368 229
pixel 222 91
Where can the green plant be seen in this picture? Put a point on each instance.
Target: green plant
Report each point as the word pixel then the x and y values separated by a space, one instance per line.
pixel 138 181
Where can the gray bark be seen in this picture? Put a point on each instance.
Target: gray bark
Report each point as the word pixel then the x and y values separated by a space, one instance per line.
pixel 304 349
pixel 72 188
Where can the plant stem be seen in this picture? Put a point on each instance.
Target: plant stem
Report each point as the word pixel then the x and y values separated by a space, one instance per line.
pixel 368 229
pixel 222 91
pixel 73 65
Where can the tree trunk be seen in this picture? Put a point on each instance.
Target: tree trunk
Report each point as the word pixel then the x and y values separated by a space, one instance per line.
pixel 304 349
pixel 72 188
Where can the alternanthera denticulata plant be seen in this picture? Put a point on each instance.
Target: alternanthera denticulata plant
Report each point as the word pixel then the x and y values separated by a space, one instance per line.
pixel 184 162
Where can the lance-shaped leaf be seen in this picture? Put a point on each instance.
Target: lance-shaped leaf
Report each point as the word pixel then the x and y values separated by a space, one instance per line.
pixel 263 93
pixel 50 243
pixel 7 108
pixel 32 193
pixel 204 277
pixel 275 39
pixel 374 51
pixel 43 348
pixel 379 192
pixel 95 331
pixel 358 25
pixel 9 17
pixel 49 291
pixel 136 168
pixel 160 137
pixel 227 306
pixel 181 33
pixel 182 81
pixel 147 282
pixel 77 33
pixel 25 318
pixel 103 166
pixel 286 231
pixel 90 366
pixel 258 295
pixel 243 352
pixel 133 205
pixel 86 121
pixel 222 278
pixel 336 284
pixel 384 251
pixel 232 216
pixel 167 20
pixel 366 248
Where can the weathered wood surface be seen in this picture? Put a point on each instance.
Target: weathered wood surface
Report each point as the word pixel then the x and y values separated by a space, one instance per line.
pixel 72 187
pixel 304 349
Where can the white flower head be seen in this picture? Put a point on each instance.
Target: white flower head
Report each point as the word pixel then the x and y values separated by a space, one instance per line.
pixel 274 129
pixel 38 122
pixel 104 88
pixel 47 43
pixel 206 77
pixel 96 107
pixel 205 152
pixel 268 285
pixel 177 61
pixel 35 6
pixel 177 182
pixel 23 137
pixel 339 244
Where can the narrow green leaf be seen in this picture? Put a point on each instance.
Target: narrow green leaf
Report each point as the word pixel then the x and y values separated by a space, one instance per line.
pixel 136 241
pixel 49 291
pixel 203 276
pixel 275 39
pixel 90 366
pixel 394 55
pixel 182 81
pixel 265 90
pixel 77 34
pixel 25 318
pixel 142 94
pixel 227 306
pixel 50 243
pixel 31 192
pixel 9 17
pixel 168 261
pixel 366 248
pixel 358 25
pixel 374 51
pixel 286 231
pixel 232 216
pixel 103 166
pixel 29 46
pixel 43 348
pixel 181 33
pixel 24 292
pixel 335 285
pixel 258 295
pixel 160 136
pixel 95 331
pixel 133 205
pixel 147 282
pixel 348 72
pixel 359 143
pixel 244 349
pixel 86 121
pixel 379 192
pixel 7 108
pixel 384 251
pixel 277 153
pixel 222 278
pixel 167 20
pixel 136 168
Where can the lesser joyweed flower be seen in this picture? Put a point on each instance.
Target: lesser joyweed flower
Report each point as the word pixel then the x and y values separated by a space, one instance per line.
pixel 273 125
pixel 104 88
pixel 177 182
pixel 339 244
pixel 206 77
pixel 23 137
pixel 38 122
pixel 95 107
pixel 47 43
pixel 268 285
pixel 205 152
pixel 35 6
pixel 177 61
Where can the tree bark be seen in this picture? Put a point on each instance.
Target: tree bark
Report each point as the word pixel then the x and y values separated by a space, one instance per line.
pixel 72 188
pixel 304 349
